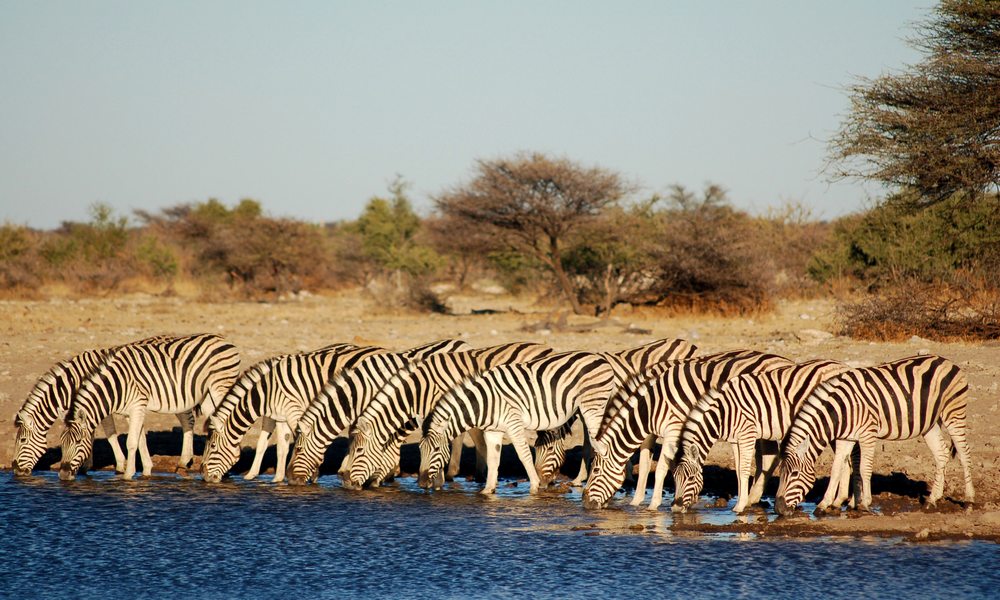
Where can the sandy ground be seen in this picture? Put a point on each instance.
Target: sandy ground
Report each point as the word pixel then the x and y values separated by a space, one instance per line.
pixel 35 334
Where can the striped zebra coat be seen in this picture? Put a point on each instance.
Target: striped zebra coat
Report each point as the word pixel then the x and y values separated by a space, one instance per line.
pixel 511 399
pixel 550 446
pixel 277 390
pixel 49 401
pixel 659 405
pixel 911 397
pixel 754 409
pixel 173 376
pixel 336 407
pixel 400 407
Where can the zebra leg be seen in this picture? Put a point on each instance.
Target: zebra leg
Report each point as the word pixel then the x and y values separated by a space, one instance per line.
pixel 516 435
pixel 147 460
pixel 494 443
pixel 111 433
pixel 282 442
pixel 867 466
pixel 267 426
pixel 665 464
pixel 832 497
pixel 479 439
pixel 768 454
pixel 456 457
pixel 939 451
pixel 588 454
pixel 956 429
pixel 744 458
pixel 135 429
pixel 645 456
pixel 186 420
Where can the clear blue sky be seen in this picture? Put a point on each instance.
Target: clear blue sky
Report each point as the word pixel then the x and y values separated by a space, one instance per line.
pixel 312 107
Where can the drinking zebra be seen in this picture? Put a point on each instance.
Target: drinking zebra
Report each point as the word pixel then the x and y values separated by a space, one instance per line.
pixel 171 376
pixel 336 407
pixel 539 394
pixel 894 401
pixel 659 406
pixel 550 448
pixel 400 407
pixel 277 390
pixel 49 400
pixel 754 409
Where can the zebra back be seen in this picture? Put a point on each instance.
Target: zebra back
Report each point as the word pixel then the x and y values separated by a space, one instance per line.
pixel 646 379
pixel 547 391
pixel 412 392
pixel 426 350
pixel 901 399
pixel 640 358
pixel 765 400
pixel 172 375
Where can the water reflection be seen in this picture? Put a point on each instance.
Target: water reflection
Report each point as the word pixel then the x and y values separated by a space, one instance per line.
pixel 165 535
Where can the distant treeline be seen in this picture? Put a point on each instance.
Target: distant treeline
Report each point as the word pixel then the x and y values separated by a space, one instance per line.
pixel 904 271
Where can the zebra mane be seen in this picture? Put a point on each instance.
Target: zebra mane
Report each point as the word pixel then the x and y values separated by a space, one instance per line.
pixel 712 399
pixel 247 380
pixel 40 394
pixel 799 439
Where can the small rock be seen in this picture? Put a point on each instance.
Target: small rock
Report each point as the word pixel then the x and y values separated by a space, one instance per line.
pixel 544 332
pixel 636 527
pixel 813 335
pixel 805 317
pixel 923 534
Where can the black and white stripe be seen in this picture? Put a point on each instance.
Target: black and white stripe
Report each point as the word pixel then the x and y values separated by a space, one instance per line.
pixel 336 407
pixel 277 390
pixel 400 407
pixel 658 406
pixel 752 411
pixel 511 399
pixel 172 376
pixel 49 401
pixel 550 446
pixel 912 397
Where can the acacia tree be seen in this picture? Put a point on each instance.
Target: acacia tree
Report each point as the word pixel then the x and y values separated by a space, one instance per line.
pixel 535 202
pixel 934 128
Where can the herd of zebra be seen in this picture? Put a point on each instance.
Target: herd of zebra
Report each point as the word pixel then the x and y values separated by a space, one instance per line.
pixel 773 412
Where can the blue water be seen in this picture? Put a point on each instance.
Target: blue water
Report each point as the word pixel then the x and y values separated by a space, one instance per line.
pixel 99 537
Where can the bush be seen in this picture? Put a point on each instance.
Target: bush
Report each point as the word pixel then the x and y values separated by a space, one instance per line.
pixel 707 256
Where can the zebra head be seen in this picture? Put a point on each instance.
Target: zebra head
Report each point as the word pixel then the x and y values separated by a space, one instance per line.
pixel 434 455
pixel 548 458
pixel 307 454
pixel 688 482
pixel 77 445
pixel 367 462
pixel 605 478
pixel 29 444
pixel 798 474
pixel 219 457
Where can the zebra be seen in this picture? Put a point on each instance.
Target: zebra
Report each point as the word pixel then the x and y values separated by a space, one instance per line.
pixel 513 398
pixel 550 450
pixel 49 400
pixel 401 405
pixel 338 404
pixel 277 389
pixel 752 409
pixel 659 406
pixel 172 376
pixel 899 400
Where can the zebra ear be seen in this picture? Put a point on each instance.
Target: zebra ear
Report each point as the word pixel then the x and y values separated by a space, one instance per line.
pixel 802 450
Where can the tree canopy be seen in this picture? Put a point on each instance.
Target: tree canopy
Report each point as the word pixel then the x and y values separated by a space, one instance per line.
pixel 935 127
